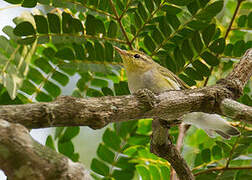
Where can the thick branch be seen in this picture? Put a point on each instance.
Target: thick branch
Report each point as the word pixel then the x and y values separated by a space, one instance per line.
pixel 19 154
pixel 162 146
pixel 235 110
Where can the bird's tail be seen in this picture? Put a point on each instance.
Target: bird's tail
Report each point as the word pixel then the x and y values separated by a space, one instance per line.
pixel 211 123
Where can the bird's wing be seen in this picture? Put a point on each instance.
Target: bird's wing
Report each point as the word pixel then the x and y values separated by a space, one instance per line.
pixel 167 73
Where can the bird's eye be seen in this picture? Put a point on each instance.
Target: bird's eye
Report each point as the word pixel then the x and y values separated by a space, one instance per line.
pixel 136 56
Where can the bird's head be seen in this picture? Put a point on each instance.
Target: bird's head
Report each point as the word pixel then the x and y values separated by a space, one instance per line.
pixel 134 60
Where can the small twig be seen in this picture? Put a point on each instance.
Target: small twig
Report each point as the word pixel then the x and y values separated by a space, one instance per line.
pixel 222 169
pixel 233 18
pixel 120 24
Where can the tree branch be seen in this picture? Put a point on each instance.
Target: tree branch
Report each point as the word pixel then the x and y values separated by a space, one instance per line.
pixel 162 146
pixel 98 112
pixel 19 154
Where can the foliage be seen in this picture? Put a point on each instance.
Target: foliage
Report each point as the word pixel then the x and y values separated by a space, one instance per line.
pixel 195 39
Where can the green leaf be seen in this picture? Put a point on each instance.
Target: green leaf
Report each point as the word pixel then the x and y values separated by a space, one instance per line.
pixel 238 49
pixel 131 151
pixel 218 46
pixel 14 1
pixel 157 36
pixel 210 58
pixel 193 74
pixel 35 75
pixel 228 49
pixel 240 149
pixel 138 139
pixel 100 28
pixel 66 148
pixel 49 142
pixel 138 21
pixel 173 20
pixel 24 29
pixel 99 50
pixel 109 51
pixel 216 152
pixel 207 176
pixel 201 68
pixel 107 91
pixel 52 89
pixel 65 54
pixel 112 30
pixel 164 27
pixel 142 11
pixel 197 42
pixel 197 25
pixel 208 34
pixel 244 174
pixel 99 82
pixel 187 80
pixel 90 25
pixel 187 50
pixel 43 64
pixel 54 23
pixel 170 64
pixel 241 22
pixel 124 163
pixel 121 88
pixel 179 59
pixel 165 172
pixel 43 97
pixel 206 155
pixel 149 5
pixel 93 93
pixel 172 10
pixel 193 7
pixel 105 154
pixel 41 24
pixel 111 139
pixel 143 172
pixel 99 167
pixel 60 78
pixel 28 87
pixel 250 20
pixel 210 11
pixel 149 44
pixel 29 3
pixel 90 50
pixel 79 51
pixel 58 132
pixel 154 171
pixel 225 147
pixel 70 133
pixel 144 126
pixel 180 2
pixel 123 174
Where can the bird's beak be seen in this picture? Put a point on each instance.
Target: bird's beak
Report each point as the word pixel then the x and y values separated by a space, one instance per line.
pixel 120 51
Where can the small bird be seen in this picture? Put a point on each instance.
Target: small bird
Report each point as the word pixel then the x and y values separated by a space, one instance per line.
pixel 144 73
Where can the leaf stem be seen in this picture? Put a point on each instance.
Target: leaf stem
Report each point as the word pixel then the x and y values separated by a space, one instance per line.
pixel 222 169
pixel 233 18
pixel 120 23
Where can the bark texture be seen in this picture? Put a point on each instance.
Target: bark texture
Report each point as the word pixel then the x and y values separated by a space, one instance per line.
pixel 22 158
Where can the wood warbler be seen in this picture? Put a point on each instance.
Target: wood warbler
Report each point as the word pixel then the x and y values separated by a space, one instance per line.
pixel 144 73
